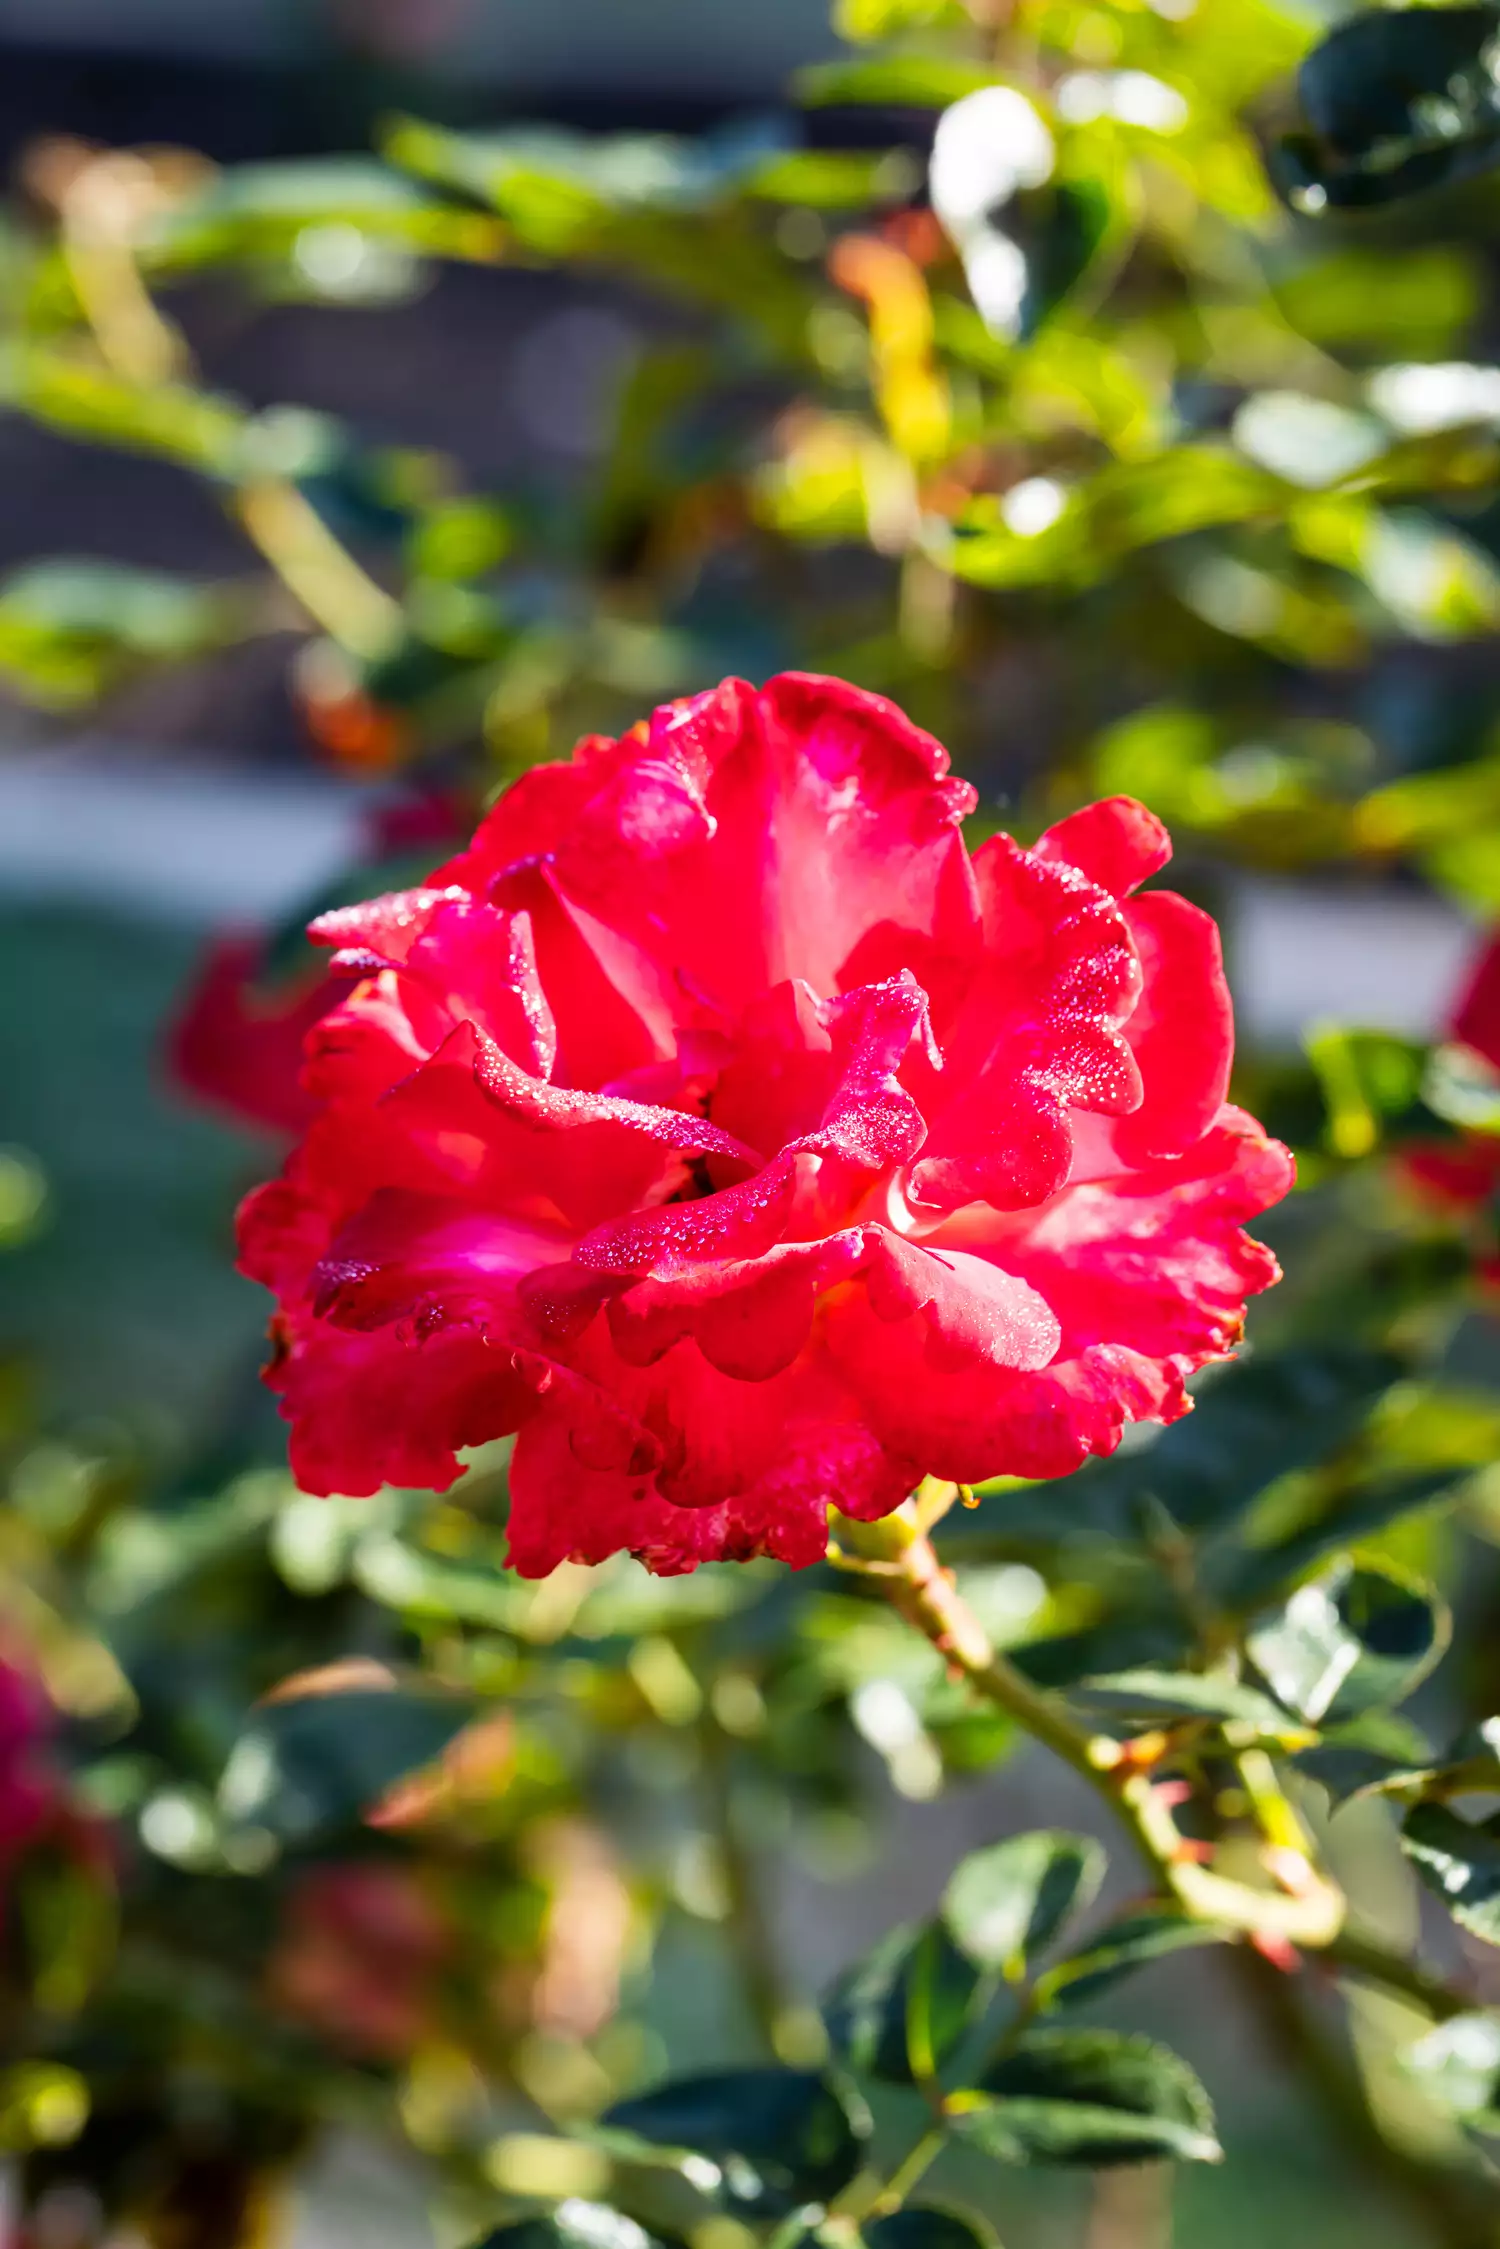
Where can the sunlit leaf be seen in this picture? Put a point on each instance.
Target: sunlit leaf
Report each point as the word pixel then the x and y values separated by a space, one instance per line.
pixel 898 81
pixel 1457 2065
pixel 1459 1860
pixel 1349 1640
pixel 1005 1904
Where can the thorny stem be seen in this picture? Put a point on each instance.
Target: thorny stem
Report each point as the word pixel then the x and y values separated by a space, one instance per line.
pixel 1306 1910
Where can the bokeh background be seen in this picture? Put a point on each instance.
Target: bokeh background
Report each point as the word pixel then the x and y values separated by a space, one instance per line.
pixel 339 486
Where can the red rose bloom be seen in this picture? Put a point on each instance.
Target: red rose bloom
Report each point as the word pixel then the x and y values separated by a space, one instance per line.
pixel 716 1123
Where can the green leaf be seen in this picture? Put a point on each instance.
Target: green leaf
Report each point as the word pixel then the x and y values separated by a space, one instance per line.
pixel 320 1761
pixel 1457 2066
pixel 270 210
pixel 71 630
pixel 83 400
pixel 1395 101
pixel 831 179
pixel 1122 1643
pixel 1118 1950
pixel 882 19
pixel 1349 1771
pixel 1358 1515
pixel 1162 1695
pixel 1349 1640
pixel 1005 1904
pixel 899 2013
pixel 900 81
pixel 921 2226
pixel 1259 1419
pixel 575 2225
pixel 1372 1083
pixel 1096 2097
pixel 768 2140
pixel 1459 1860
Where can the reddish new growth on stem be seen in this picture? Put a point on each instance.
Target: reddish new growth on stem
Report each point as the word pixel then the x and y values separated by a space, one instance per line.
pixel 719 1125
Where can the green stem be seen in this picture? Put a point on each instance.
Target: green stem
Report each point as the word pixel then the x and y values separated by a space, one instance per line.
pixel 907 2174
pixel 897 1554
pixel 1374 1963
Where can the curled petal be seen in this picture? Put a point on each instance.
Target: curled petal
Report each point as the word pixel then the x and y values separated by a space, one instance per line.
pixel 749 1317
pixel 1116 843
pixel 1181 1031
pixel 975 1314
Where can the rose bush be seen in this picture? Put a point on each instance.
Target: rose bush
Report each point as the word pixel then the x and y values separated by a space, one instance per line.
pixel 718 1124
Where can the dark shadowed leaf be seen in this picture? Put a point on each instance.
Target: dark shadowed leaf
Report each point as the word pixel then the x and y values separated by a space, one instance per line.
pixel 920 2226
pixel 1260 1419
pixel 575 2225
pixel 1349 1641
pixel 1117 1951
pixel 1007 1903
pixel 1093 2097
pixel 1395 100
pixel 1118 1644
pixel 1251 1577
pixel 900 2012
pixel 1459 1860
pixel 776 2138
pixel 1256 1421
pixel 304 1766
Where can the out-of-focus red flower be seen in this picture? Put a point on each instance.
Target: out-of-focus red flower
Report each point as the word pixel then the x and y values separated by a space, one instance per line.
pixel 29 1783
pixel 1476 1017
pixel 240 1050
pixel 716 1122
pixel 360 1958
pixel 1464 1174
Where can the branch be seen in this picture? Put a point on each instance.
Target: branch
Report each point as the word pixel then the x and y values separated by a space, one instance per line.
pixel 1307 1911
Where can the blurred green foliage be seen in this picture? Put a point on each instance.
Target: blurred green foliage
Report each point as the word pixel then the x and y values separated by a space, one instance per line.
pixel 1124 403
